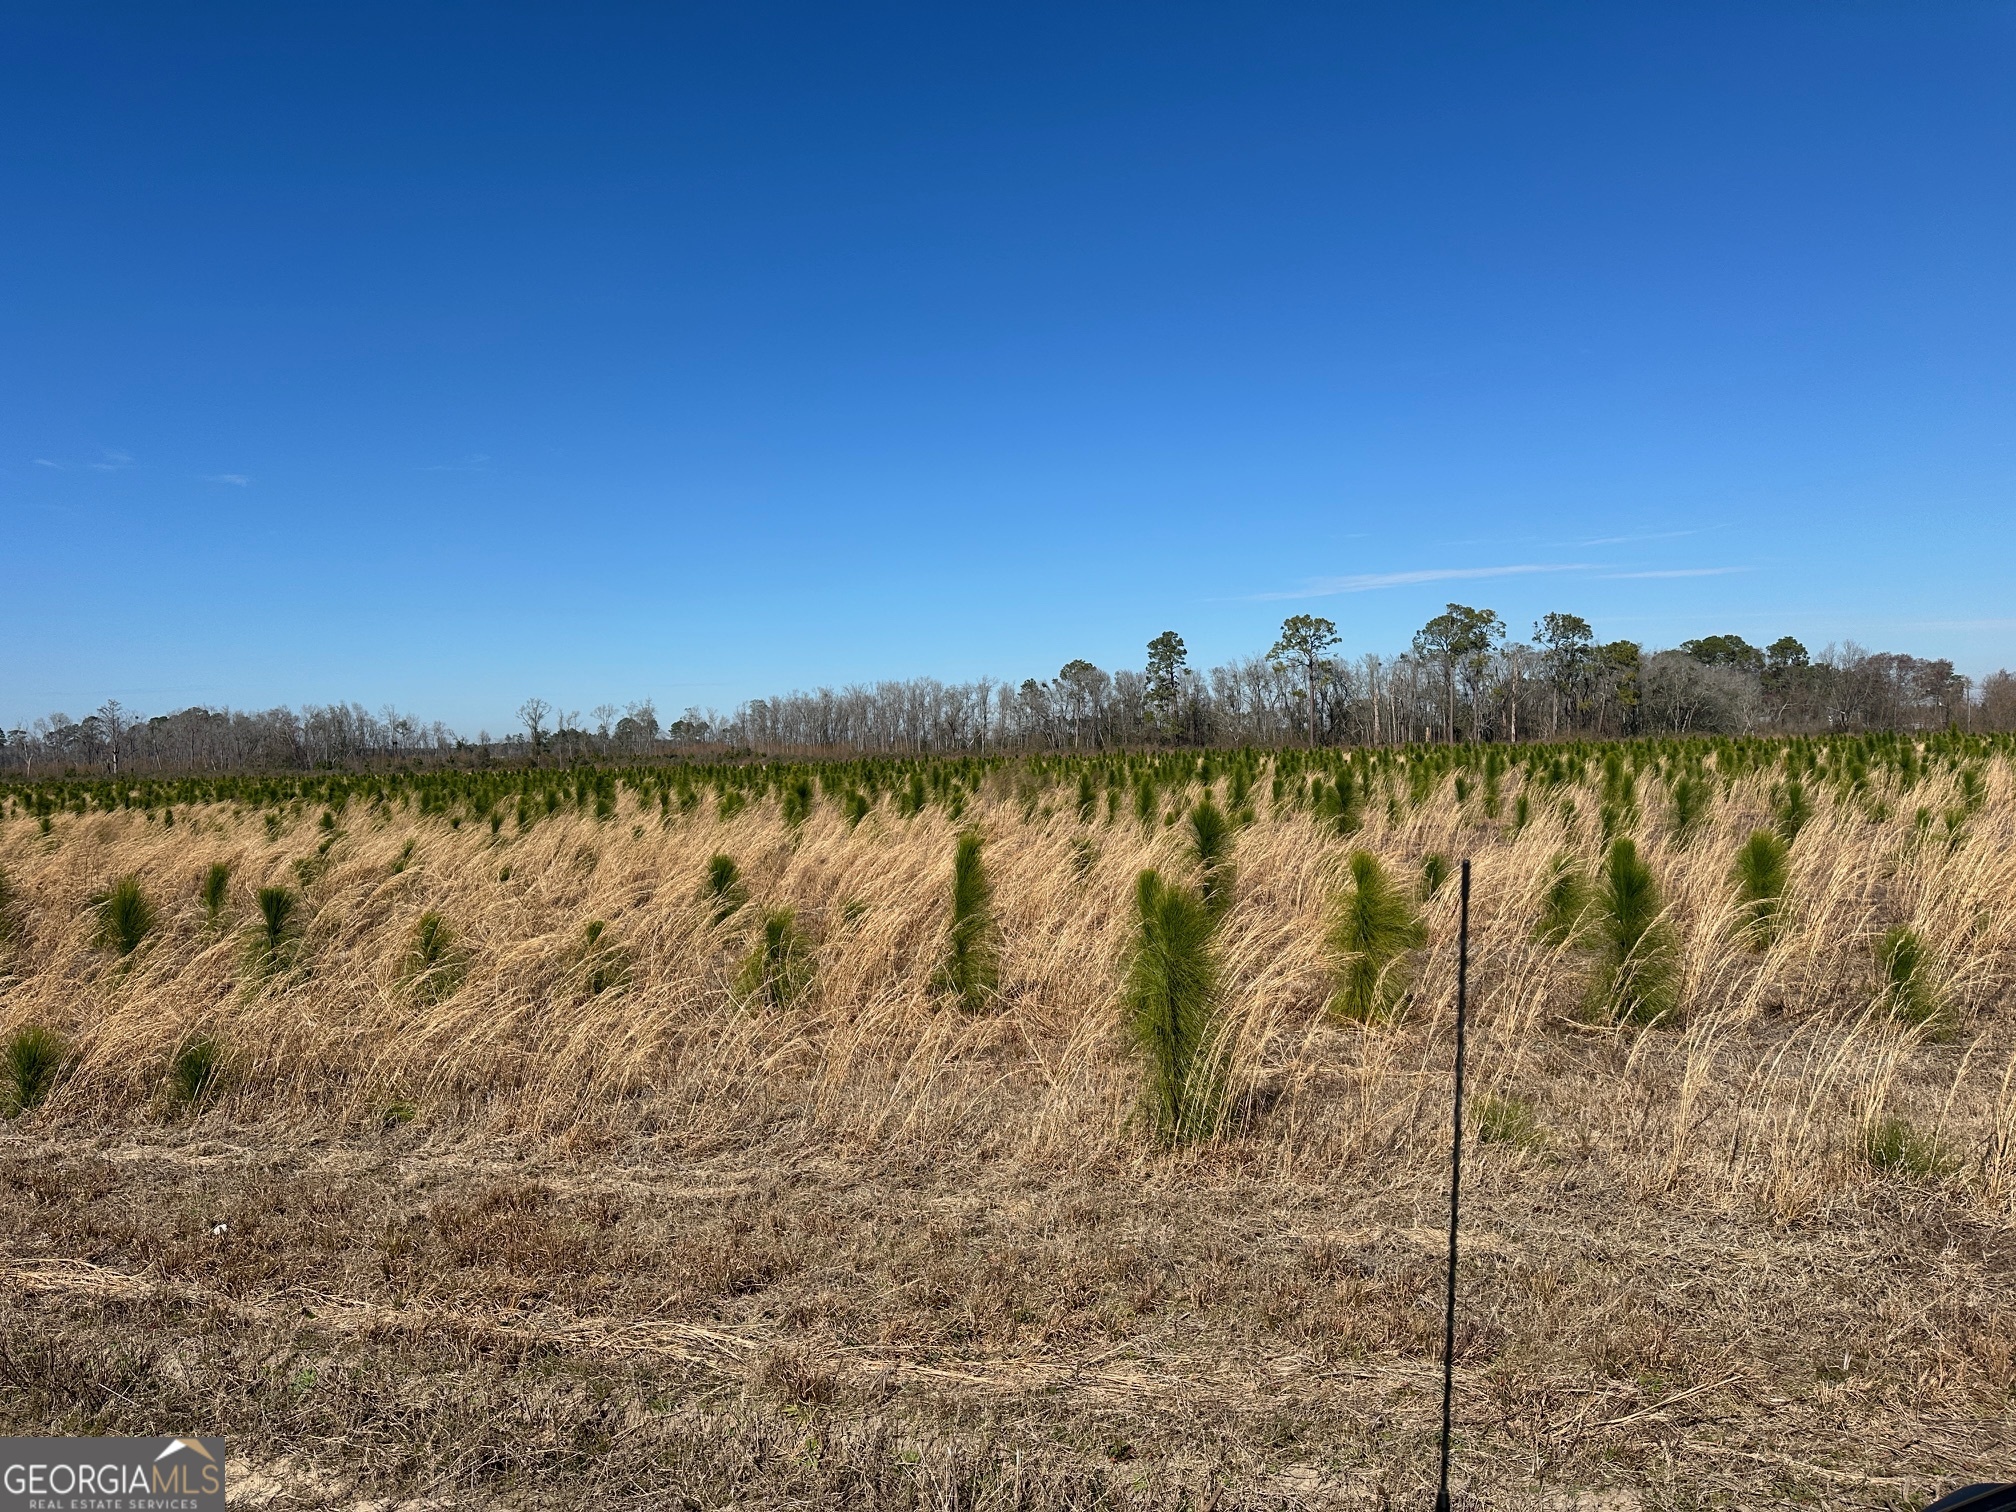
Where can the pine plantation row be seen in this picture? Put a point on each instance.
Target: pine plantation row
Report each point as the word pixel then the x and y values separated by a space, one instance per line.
pixel 1600 905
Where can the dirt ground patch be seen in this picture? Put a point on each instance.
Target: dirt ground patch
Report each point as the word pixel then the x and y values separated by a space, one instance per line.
pixel 432 1321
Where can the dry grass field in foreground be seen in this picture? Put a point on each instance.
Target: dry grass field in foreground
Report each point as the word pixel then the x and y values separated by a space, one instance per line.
pixel 511 1211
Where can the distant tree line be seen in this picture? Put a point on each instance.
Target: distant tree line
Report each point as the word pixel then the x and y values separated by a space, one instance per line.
pixel 1461 678
pixel 113 739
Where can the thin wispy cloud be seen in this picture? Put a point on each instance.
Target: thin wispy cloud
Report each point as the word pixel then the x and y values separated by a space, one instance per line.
pixel 1679 572
pixel 236 480
pixel 1629 540
pixel 109 460
pixel 1366 582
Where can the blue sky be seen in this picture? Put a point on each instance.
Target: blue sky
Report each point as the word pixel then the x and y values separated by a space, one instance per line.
pixel 442 355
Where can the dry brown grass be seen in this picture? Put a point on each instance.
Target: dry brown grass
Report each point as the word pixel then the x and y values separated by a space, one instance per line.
pixel 529 1240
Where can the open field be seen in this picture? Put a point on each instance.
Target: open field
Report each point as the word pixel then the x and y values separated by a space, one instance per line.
pixel 553 1197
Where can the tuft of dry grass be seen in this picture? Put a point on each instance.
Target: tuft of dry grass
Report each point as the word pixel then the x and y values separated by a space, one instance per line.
pixel 546 1203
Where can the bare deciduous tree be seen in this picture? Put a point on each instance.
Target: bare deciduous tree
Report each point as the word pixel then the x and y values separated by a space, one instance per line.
pixel 532 714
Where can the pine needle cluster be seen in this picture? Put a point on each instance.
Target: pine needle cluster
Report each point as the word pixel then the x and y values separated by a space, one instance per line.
pixel 1211 843
pixel 271 945
pixel 778 970
pixel 1565 905
pixel 435 964
pixel 605 964
pixel 1762 874
pixel 1905 965
pixel 216 891
pixel 1637 976
pixel 196 1072
pixel 33 1062
pixel 1373 937
pixel 971 968
pixel 125 916
pixel 723 888
pixel 1171 1009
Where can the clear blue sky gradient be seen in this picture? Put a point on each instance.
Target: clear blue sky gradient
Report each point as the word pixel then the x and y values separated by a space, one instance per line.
pixel 447 354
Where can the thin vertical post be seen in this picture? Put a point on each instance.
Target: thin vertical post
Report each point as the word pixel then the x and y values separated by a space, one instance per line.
pixel 1455 1184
